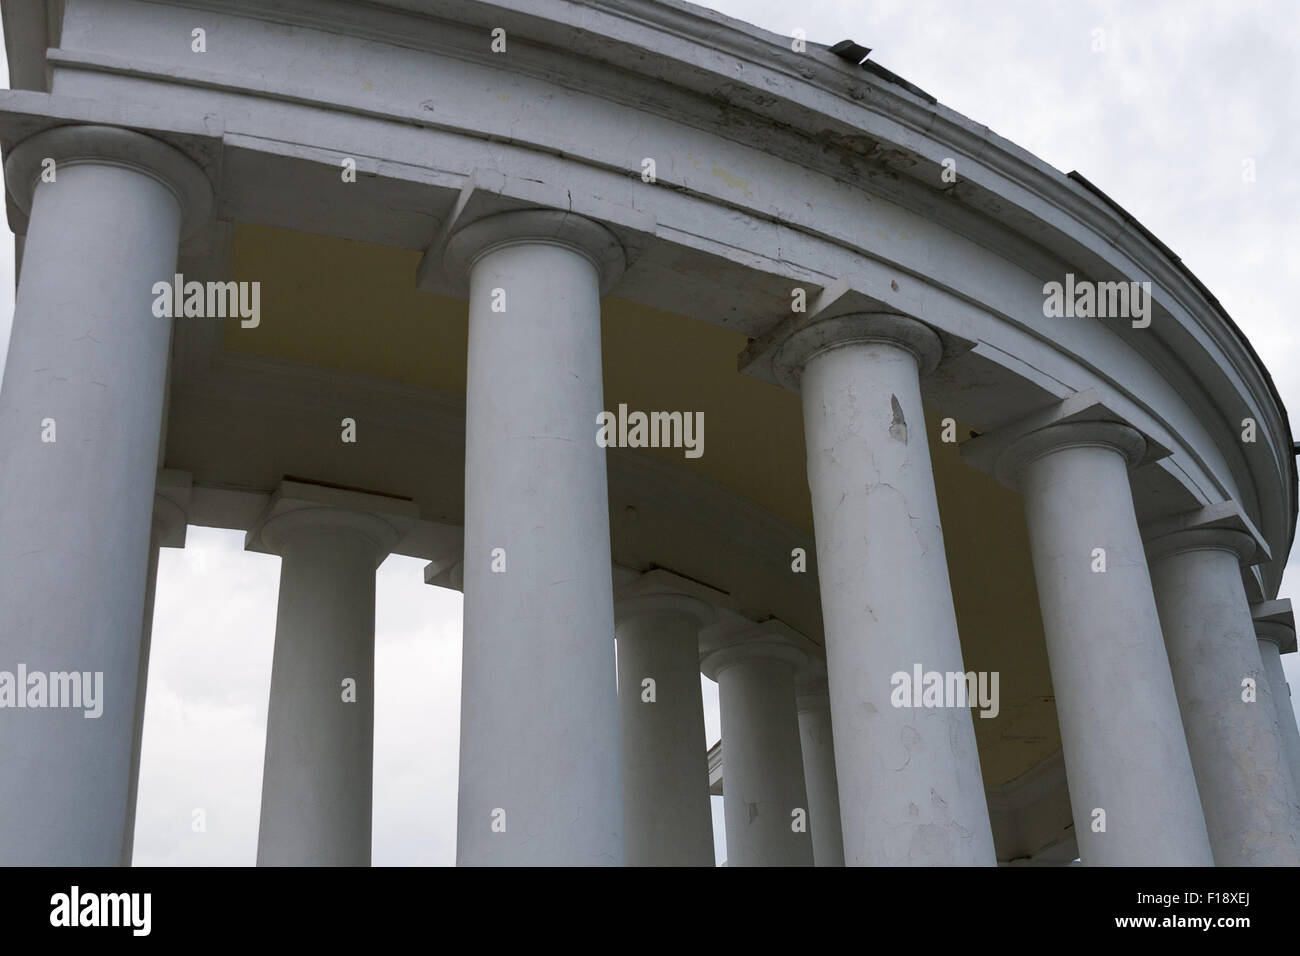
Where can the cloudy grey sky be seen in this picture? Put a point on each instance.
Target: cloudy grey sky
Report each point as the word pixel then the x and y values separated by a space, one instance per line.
pixel 1161 119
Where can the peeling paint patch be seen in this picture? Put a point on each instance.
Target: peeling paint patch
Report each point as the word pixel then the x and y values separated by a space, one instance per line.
pixel 898 427
pixel 753 811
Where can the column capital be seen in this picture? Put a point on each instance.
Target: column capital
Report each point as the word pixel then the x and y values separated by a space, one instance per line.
pixel 274 533
pixel 1120 438
pixel 1078 421
pixel 733 637
pixel 735 640
pixel 77 144
pixel 1275 622
pixel 663 605
pixel 1220 526
pixel 536 226
pixel 845 312
pixel 755 649
pixel 822 334
pixel 298 506
pixel 1240 545
pixel 659 591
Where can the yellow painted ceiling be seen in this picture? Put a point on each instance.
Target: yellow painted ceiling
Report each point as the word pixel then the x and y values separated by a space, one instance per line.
pixel 354 307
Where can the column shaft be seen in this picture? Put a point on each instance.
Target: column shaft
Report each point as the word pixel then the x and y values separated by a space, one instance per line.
pixel 86 366
pixel 141 691
pixel 1270 653
pixel 316 781
pixel 1122 736
pixel 1245 786
pixel 818 747
pixel 762 765
pixel 540 771
pixel 910 787
pixel 666 812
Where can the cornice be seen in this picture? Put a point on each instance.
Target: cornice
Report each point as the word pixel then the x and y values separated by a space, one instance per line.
pixel 717 56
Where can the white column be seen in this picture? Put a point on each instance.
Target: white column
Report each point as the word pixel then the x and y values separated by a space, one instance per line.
pixel 762 766
pixel 86 366
pixel 818 747
pixel 666 813
pixel 1245 785
pixel 166 530
pixel 317 774
pixel 909 778
pixel 540 772
pixel 1121 733
pixel 1275 631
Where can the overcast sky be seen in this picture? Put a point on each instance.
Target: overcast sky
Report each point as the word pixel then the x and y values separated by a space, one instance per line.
pixel 1161 119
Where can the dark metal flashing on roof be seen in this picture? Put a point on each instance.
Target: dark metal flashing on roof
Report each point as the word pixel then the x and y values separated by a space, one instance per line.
pixel 1218 307
pixel 857 54
pixel 891 77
